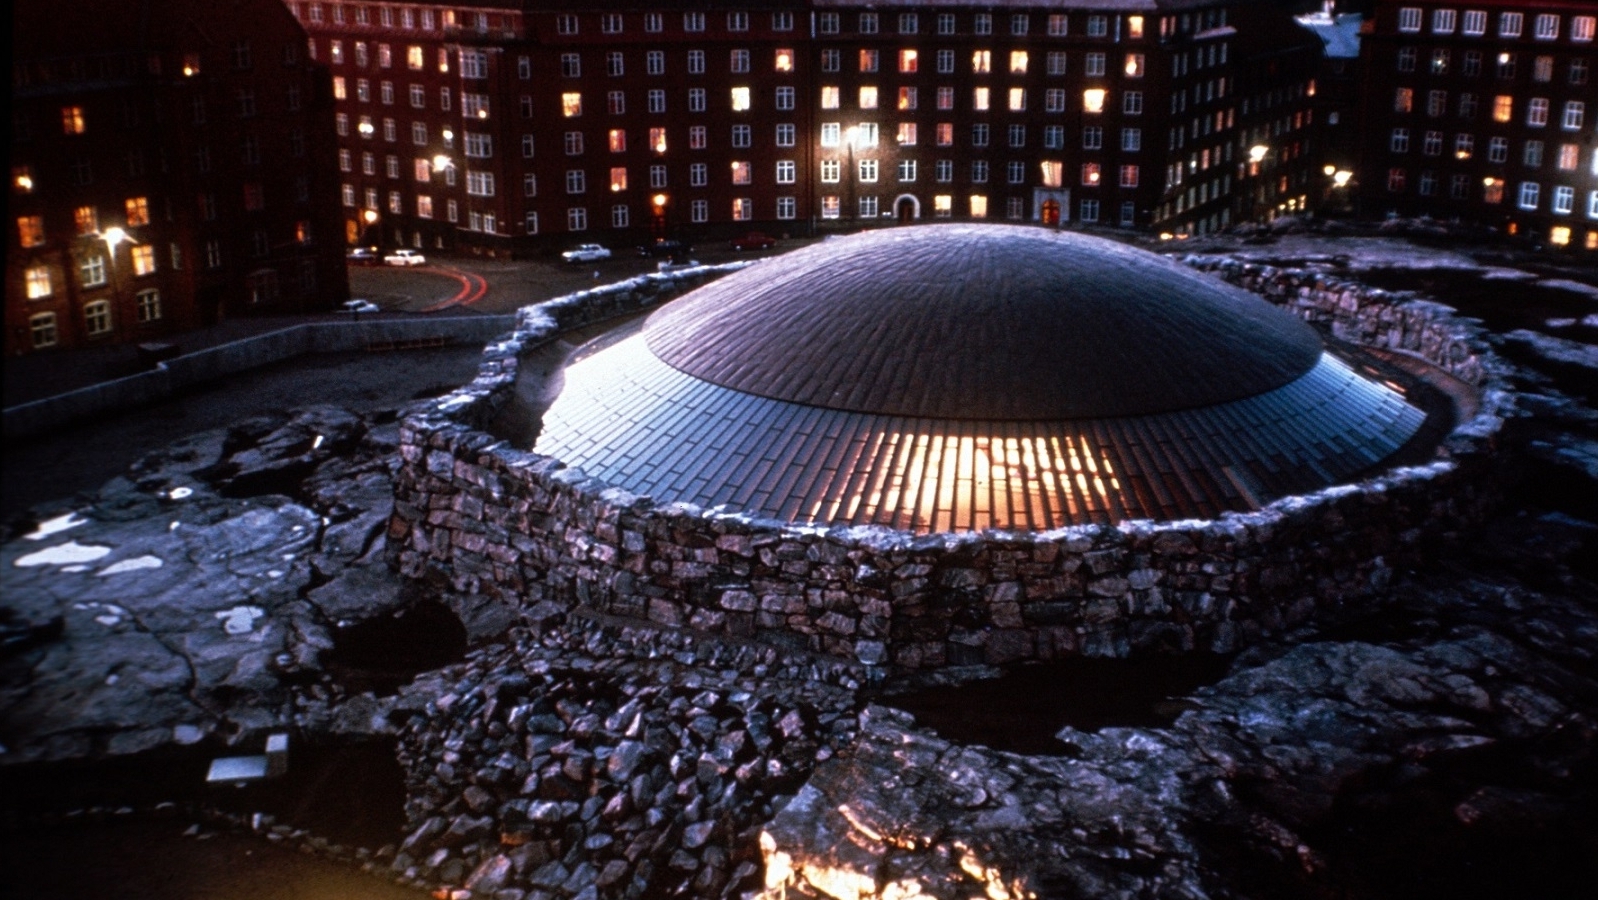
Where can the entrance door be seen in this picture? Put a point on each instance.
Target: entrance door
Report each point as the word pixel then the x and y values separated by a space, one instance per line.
pixel 905 210
pixel 1051 212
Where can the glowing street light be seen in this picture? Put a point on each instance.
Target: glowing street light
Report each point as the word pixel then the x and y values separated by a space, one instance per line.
pixel 112 237
pixel 1341 176
pixel 1257 153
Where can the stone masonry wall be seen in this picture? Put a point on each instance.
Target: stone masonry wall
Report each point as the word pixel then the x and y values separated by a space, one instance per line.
pixel 510 525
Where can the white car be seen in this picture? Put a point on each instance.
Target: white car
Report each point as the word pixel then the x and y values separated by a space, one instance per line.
pixel 404 258
pixel 585 253
pixel 361 306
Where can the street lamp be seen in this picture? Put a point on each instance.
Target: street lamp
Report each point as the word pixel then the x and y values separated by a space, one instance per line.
pixel 659 223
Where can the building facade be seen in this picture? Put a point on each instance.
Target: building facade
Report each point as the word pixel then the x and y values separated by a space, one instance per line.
pixel 1485 111
pixel 505 126
pixel 171 164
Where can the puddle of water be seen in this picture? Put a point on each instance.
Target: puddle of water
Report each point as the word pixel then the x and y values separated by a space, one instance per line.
pixel 1022 710
pixel 382 654
pixel 1503 306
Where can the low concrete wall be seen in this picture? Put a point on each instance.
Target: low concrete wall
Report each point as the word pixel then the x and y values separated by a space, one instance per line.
pixel 494 520
pixel 167 377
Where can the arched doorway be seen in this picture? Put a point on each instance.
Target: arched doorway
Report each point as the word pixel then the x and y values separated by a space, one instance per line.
pixel 1051 212
pixel 906 209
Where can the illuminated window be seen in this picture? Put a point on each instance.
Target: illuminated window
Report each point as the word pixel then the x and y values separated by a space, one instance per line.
pixel 657 140
pixel 943 205
pixel 1492 190
pixel 784 61
pixel 1129 176
pixel 829 97
pixel 38 279
pixel 617 139
pixel 1464 145
pixel 1093 100
pixel 1017 99
pixel 72 120
pixel 981 61
pixel 907 134
pixel 907 61
pixel 86 219
pixel 1052 173
pixel 1090 174
pixel 1569 157
pixel 1582 28
pixel 1503 108
pixel 868 60
pixel 945 134
pixel 979 98
pixel 864 135
pixel 1542 69
pixel 618 178
pixel 907 98
pixel 830 132
pixel 1134 27
pixel 868 96
pixel 1134 67
pixel 143 257
pixel 979 206
pixel 571 104
pixel 1018 62
pixel 741 172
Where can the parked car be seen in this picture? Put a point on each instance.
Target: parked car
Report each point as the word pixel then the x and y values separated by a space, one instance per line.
pixel 363 256
pixel 405 258
pixel 585 253
pixel 361 306
pixel 676 264
pixel 754 240
pixel 665 247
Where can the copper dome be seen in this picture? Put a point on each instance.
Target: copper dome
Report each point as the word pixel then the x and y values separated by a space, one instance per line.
pixel 965 377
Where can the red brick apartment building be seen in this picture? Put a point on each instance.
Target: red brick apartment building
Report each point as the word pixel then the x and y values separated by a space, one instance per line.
pixel 1485 110
pixel 505 125
pixel 172 162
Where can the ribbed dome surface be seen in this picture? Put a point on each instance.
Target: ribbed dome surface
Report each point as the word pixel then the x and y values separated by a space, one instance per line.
pixel 982 322
pixel 968 378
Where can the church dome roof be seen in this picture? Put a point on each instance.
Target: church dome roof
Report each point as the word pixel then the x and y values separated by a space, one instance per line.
pixel 967 377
